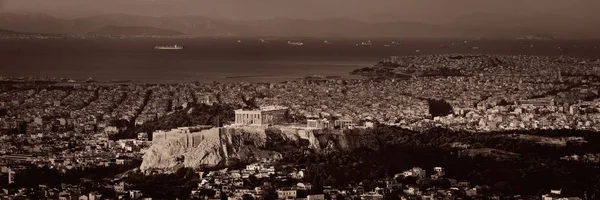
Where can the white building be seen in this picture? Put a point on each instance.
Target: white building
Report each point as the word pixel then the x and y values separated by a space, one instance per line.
pixel 317 123
pixel 343 124
pixel 415 172
pixel 315 197
pixel 135 194
pixel 286 193
pixel 438 170
pixel 204 99
pixel 254 167
pixel 263 116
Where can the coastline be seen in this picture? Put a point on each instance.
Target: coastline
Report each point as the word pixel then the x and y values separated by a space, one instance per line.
pixel 225 60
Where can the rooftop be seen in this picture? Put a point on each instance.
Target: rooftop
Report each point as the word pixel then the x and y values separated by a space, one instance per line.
pixel 266 108
pixel 189 129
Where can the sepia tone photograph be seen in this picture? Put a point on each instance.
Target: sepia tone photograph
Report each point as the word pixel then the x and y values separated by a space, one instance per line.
pixel 300 99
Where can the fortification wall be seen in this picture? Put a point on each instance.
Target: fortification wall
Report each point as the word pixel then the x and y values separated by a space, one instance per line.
pixel 186 139
pixel 158 136
pixel 196 138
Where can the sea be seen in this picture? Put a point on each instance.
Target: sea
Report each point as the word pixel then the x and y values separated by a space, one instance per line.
pixel 229 60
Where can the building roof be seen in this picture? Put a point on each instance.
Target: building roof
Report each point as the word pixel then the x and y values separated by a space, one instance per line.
pixel 188 129
pixel 266 108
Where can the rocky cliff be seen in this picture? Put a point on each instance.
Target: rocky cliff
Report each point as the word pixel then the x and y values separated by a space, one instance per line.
pixel 235 145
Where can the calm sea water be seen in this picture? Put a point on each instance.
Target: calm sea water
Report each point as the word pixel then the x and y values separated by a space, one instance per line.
pixel 208 60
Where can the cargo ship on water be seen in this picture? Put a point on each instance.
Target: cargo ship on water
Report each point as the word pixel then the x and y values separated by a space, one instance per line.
pixel 365 44
pixel 295 43
pixel 174 47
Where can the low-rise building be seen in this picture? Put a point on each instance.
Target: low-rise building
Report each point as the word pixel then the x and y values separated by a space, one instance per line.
pixel 317 123
pixel 286 193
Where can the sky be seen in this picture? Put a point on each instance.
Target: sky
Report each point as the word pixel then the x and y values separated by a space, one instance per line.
pixel 430 11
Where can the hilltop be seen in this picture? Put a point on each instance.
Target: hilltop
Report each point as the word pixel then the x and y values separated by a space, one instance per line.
pixel 135 31
pixel 7 32
pixel 473 25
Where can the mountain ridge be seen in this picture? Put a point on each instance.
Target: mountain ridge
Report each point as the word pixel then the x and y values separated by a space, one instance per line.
pixel 135 31
pixel 472 25
pixel 7 32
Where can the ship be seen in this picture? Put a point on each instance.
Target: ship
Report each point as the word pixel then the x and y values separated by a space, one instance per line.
pixel 327 42
pixel 295 43
pixel 263 40
pixel 174 47
pixel 367 43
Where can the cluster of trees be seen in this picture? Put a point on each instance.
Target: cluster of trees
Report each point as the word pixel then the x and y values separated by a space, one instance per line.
pixel 277 141
pixel 382 72
pixel 537 170
pixel 193 115
pixel 388 70
pixel 35 176
pixel 166 186
pixel 439 107
pixel 383 151
pixel 3 112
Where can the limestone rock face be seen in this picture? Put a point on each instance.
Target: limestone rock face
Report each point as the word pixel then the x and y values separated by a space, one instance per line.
pixel 241 144
pixel 225 147
pixel 167 155
pixel 209 152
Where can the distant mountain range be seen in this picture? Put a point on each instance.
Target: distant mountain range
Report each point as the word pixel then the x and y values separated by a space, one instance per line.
pixel 15 33
pixel 7 32
pixel 135 31
pixel 477 24
pixel 487 24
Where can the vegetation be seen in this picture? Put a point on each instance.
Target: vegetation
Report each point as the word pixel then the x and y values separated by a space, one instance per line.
pixel 394 70
pixel 532 167
pixel 537 169
pixel 90 178
pixel 439 107
pixel 193 115
pixel 166 186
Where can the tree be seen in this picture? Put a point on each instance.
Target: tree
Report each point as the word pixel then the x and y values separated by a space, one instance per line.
pixel 439 107
pixel 253 180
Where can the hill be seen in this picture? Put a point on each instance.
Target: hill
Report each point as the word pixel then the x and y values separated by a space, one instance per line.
pixel 203 26
pixel 7 32
pixel 135 31
pixel 281 27
pixel 33 23
pixel 471 25
pixel 486 24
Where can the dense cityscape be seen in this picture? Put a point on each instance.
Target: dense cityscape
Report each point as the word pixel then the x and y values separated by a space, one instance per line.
pixel 303 139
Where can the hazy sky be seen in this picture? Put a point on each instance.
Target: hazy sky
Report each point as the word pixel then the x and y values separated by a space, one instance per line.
pixel 413 10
